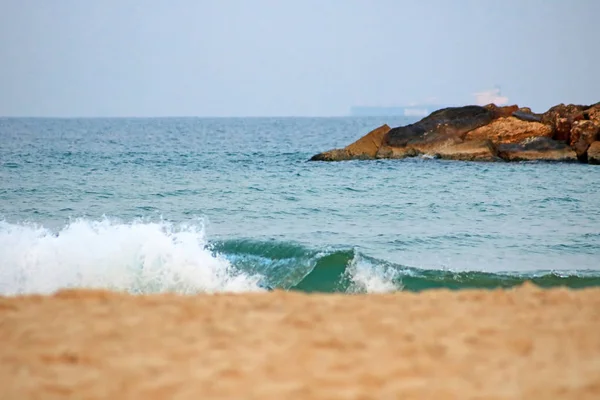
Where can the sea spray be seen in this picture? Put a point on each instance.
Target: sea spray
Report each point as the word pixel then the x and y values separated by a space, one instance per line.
pixel 137 257
pixel 368 276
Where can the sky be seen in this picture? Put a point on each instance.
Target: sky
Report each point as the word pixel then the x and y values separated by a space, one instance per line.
pixel 221 58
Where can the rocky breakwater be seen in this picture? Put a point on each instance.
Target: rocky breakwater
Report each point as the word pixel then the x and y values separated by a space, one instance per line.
pixel 567 133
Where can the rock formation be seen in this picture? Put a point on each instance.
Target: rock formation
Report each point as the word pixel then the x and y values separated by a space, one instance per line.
pixel 567 133
pixel 364 148
pixel 582 135
pixel 536 148
pixel 594 153
pixel 509 130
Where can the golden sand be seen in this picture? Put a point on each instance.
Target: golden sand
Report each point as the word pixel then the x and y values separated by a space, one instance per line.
pixel 524 343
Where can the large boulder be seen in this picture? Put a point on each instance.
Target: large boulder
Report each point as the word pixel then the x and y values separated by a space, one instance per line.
pixel 441 130
pixel 502 112
pixel 561 118
pixel 433 142
pixel 583 134
pixel 482 150
pixel 370 143
pixel 447 123
pixel 364 148
pixel 571 111
pixel 540 148
pixel 593 153
pixel 396 152
pixel 509 130
pixel 475 150
pixel 525 114
pixel 332 155
pixel 562 129
pixel 593 113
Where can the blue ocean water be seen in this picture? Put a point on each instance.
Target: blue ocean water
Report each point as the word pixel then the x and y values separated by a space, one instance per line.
pixel 196 204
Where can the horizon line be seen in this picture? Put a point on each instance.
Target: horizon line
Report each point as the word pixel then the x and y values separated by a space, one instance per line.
pixel 183 116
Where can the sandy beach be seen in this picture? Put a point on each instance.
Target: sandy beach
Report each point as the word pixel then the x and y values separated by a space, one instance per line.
pixel 503 344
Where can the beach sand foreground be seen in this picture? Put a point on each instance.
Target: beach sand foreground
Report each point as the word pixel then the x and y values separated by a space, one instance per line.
pixel 519 343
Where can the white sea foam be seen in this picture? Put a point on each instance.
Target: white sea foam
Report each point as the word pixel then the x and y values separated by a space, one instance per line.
pixel 138 257
pixel 371 278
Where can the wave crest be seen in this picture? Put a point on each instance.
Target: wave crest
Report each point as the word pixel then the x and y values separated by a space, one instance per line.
pixel 136 257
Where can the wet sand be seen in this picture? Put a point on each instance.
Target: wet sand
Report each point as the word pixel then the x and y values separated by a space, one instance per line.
pixel 521 343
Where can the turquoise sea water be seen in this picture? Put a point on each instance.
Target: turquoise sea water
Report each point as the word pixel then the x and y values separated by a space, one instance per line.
pixel 192 204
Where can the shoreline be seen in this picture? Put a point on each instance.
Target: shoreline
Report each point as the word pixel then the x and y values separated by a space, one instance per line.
pixel 521 342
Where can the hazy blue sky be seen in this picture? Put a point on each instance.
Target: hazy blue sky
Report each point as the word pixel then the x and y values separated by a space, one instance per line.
pixel 305 57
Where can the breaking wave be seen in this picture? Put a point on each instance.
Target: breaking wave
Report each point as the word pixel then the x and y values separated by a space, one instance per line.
pixel 135 257
pixel 143 257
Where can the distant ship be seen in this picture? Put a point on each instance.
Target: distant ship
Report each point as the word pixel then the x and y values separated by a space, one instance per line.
pixel 425 107
pixel 417 110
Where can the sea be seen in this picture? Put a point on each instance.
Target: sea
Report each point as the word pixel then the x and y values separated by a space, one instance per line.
pixel 192 205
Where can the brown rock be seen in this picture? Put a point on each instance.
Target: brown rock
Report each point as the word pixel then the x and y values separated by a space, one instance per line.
pixel 526 110
pixel 370 143
pixel 332 155
pixel 475 150
pixel 593 113
pixel 432 143
pixel 449 122
pixel 396 152
pixel 509 130
pixel 442 129
pixel 501 112
pixel 561 118
pixel 562 129
pixel 583 134
pixel 593 153
pixel 506 111
pixel 363 149
pixel 450 149
pixel 540 148
pixel 563 111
